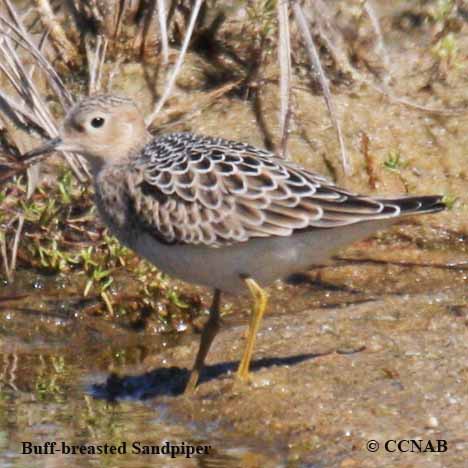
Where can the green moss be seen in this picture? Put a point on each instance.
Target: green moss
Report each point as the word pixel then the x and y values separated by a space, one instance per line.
pixel 62 236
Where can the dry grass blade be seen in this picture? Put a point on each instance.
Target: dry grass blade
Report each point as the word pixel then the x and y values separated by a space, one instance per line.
pixel 14 251
pixel 4 253
pixel 315 62
pixel 193 110
pixel 414 105
pixel 22 38
pixel 57 34
pixel 96 61
pixel 33 109
pixel 162 17
pixel 370 10
pixel 284 59
pixel 25 86
pixel 26 89
pixel 178 65
pixel 20 115
pixel 9 266
pixel 56 83
pixel 13 165
pixel 331 35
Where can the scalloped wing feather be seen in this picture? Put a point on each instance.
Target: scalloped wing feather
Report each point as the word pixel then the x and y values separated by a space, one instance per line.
pixel 199 190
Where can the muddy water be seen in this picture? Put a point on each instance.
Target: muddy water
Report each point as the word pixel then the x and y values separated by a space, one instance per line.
pixel 53 365
pixel 60 383
pixel 365 349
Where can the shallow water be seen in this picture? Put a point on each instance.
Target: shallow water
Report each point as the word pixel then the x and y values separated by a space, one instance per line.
pixel 67 377
pixel 51 373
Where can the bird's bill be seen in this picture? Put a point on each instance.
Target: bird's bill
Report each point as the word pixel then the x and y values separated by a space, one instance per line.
pixel 55 144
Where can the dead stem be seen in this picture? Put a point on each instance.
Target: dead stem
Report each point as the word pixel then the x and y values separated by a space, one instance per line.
pixel 57 35
pixel 371 13
pixel 284 59
pixel 315 62
pixel 14 252
pixel 162 17
pixel 369 161
pixel 96 61
pixel 178 65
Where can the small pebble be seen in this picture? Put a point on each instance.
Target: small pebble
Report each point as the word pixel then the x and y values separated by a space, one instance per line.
pixel 432 422
pixel 348 463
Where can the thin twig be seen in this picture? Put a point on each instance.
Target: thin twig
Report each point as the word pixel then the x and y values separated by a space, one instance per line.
pixel 163 31
pixel 331 36
pixel 196 108
pixel 21 116
pixel 371 13
pixel 102 60
pixel 335 44
pixel 29 93
pixel 178 66
pixel 3 251
pixel 14 252
pixel 315 62
pixel 113 71
pixel 389 94
pixel 24 41
pixel 284 58
pixel 96 61
pixel 35 110
pixel 57 34
pixel 369 161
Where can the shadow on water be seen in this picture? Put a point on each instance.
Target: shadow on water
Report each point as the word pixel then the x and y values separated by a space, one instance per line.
pixel 171 381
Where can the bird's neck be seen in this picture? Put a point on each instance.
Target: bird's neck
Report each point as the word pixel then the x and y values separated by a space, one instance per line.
pixel 110 196
pixel 117 156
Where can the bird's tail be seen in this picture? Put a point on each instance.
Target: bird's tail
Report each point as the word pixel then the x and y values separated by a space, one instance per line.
pixel 416 205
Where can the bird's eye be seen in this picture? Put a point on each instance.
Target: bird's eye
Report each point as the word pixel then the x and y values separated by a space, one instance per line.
pixel 97 122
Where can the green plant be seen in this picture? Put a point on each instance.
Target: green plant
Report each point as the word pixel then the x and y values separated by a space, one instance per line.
pixel 446 50
pixel 449 200
pixel 394 161
pixel 442 10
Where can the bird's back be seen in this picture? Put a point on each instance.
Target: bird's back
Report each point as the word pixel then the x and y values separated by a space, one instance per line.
pixel 202 190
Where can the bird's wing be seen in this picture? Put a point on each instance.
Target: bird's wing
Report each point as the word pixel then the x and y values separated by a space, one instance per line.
pixel 199 190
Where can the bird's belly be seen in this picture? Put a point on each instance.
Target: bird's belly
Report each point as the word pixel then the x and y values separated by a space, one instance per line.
pixel 224 268
pixel 198 264
pixel 263 259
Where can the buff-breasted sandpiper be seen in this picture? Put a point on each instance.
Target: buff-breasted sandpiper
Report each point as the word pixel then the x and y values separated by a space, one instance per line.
pixel 216 212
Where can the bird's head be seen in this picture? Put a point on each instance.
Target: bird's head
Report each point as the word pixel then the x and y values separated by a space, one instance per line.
pixel 103 128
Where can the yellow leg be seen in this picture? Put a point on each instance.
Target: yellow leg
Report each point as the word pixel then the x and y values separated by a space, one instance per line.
pixel 260 299
pixel 209 332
